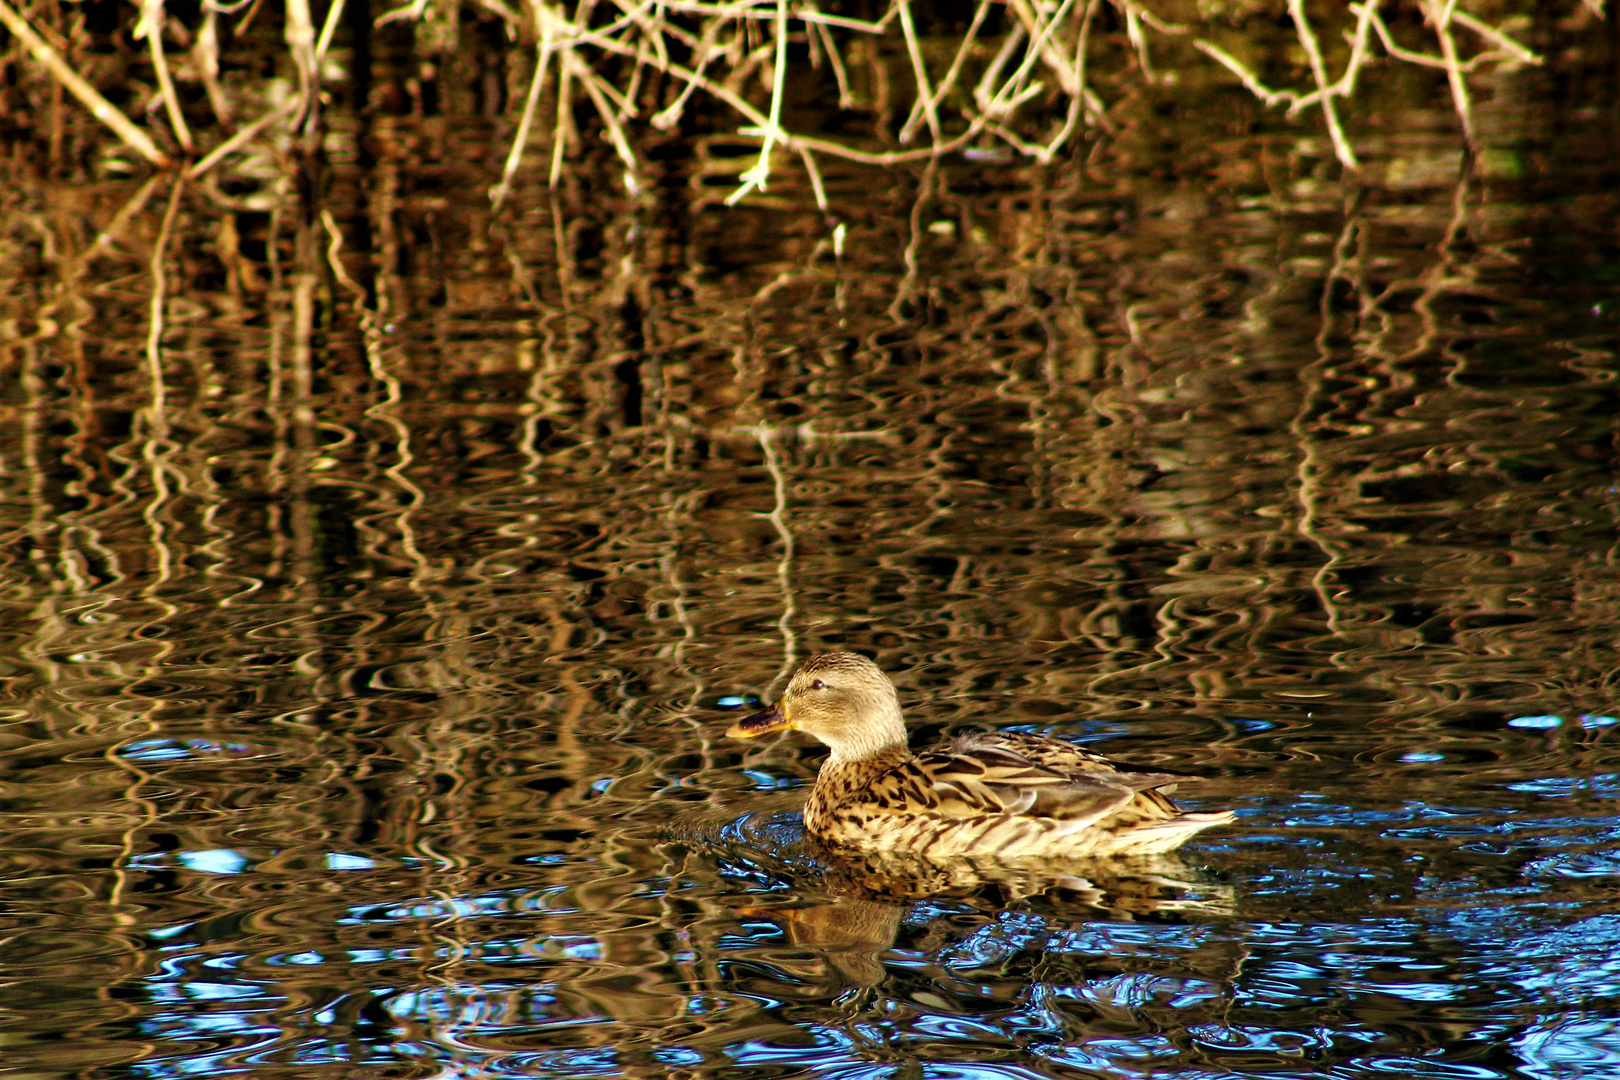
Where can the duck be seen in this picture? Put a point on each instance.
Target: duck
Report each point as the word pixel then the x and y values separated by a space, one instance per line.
pixel 999 795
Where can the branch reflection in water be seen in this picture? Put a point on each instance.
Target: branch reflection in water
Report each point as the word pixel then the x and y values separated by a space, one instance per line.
pixel 349 724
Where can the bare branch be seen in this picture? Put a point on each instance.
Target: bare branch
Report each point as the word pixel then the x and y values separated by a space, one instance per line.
pixel 1250 81
pixel 242 138
pixel 757 176
pixel 150 27
pixel 531 104
pixel 945 84
pixel 1302 26
pixel 1491 33
pixel 88 96
pixel 919 69
pixel 1440 18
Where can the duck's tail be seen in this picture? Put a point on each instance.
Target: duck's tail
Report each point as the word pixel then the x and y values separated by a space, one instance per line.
pixel 1157 837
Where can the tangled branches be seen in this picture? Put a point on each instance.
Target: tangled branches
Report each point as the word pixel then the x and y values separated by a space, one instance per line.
pixel 1015 80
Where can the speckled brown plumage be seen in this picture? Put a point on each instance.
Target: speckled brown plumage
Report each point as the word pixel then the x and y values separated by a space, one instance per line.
pixel 996 795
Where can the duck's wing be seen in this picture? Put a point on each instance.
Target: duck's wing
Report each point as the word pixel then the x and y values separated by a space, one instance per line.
pixel 1063 756
pixel 979 778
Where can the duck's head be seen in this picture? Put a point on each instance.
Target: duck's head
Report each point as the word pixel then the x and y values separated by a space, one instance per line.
pixel 841 698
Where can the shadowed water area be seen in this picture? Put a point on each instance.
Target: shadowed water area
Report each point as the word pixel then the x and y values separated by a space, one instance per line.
pixel 372 620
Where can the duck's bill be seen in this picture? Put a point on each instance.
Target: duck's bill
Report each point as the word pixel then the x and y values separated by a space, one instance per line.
pixel 761 723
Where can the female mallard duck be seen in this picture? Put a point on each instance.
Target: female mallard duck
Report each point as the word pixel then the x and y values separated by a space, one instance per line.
pixel 1001 795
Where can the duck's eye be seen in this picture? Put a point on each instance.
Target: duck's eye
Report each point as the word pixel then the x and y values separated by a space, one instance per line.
pixel 818 685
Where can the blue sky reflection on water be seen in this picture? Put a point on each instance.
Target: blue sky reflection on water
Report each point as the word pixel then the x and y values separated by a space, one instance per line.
pixel 1482 958
pixel 1339 991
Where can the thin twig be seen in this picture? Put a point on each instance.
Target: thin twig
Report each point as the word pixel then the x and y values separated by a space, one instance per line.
pixel 762 12
pixel 919 70
pixel 1017 142
pixel 1159 24
pixel 1440 17
pixel 815 178
pixel 1041 32
pixel 703 52
pixel 106 238
pixel 623 100
pixel 1249 80
pixel 594 89
pixel 926 105
pixel 150 27
pixel 241 138
pixel 566 34
pixel 982 96
pixel 1006 99
pixel 1346 85
pixel 506 14
pixel 412 11
pixel 542 60
pixel 559 133
pixel 334 16
pixel 1491 33
pixel 155 322
pixel 652 31
pixel 758 176
pixel 1077 100
pixel 1138 40
pixel 205 58
pixel 1395 49
pixel 1307 39
pixel 102 109
pixel 1366 16
pixel 846 99
pixel 300 38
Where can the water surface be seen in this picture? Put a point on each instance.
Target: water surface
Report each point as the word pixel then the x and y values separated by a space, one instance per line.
pixel 368 653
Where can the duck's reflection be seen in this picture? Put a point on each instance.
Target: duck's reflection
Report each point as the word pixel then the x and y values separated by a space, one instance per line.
pixel 850 934
pixel 869 898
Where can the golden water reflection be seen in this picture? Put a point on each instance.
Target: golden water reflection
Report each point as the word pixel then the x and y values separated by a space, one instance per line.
pixel 367 665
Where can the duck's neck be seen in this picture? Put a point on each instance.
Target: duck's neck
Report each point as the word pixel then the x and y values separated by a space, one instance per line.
pixel 841 777
pixel 847 755
pixel 856 755
pixel 880 737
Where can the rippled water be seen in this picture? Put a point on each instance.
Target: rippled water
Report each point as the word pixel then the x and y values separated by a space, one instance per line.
pixel 365 677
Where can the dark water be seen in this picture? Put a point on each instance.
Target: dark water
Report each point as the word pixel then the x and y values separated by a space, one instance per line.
pixel 365 676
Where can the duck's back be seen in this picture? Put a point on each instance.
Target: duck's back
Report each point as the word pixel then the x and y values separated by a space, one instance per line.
pixel 1002 795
